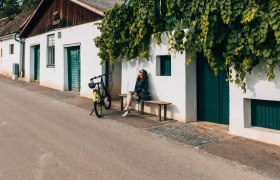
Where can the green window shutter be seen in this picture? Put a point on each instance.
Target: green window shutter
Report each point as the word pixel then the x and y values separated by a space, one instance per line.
pixel 165 65
pixel 265 114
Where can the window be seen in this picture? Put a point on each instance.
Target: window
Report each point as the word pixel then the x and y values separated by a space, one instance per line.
pixel 164 65
pixel 1 53
pixel 265 114
pixel 56 18
pixel 11 48
pixel 51 50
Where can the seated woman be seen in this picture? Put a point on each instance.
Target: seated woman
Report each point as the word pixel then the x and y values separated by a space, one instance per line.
pixel 141 84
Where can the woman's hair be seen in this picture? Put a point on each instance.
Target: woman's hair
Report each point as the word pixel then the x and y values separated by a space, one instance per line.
pixel 145 75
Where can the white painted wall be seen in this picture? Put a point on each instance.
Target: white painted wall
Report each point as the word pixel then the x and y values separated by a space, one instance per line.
pixel 56 77
pixel 115 79
pixel 166 88
pixel 258 87
pixel 7 60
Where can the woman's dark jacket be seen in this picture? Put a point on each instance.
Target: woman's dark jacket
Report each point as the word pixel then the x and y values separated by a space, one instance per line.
pixel 140 85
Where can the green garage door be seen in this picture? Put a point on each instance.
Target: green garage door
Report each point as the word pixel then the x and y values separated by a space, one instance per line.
pixel 74 68
pixel 37 63
pixel 265 114
pixel 212 94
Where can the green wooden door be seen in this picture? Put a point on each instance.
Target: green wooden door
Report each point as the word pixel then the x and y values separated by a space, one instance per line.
pixel 37 63
pixel 265 114
pixel 223 98
pixel 212 94
pixel 74 68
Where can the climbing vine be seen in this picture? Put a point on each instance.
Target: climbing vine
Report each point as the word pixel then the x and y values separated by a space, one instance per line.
pixel 126 31
pixel 231 34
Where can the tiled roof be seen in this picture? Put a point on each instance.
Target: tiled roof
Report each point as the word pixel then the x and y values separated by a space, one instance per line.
pixel 3 22
pixel 102 5
pixel 17 24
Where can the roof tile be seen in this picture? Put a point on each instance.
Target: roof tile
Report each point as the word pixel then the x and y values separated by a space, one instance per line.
pixel 102 5
pixel 17 24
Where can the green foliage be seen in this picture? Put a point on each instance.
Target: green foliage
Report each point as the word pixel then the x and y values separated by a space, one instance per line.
pixel 9 8
pixel 126 31
pixel 27 4
pixel 242 33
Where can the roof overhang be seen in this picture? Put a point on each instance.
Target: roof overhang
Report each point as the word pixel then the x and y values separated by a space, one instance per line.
pixel 32 17
pixel 41 6
pixel 7 37
pixel 91 8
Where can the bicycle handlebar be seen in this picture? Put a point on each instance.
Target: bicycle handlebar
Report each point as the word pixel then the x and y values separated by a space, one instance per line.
pixel 95 77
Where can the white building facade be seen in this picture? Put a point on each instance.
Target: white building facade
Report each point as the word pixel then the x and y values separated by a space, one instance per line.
pixel 174 87
pixel 197 94
pixel 11 46
pixel 9 54
pixel 56 76
pixel 255 114
pixel 60 52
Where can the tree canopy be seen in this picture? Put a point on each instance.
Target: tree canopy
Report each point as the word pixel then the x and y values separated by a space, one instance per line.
pixel 11 8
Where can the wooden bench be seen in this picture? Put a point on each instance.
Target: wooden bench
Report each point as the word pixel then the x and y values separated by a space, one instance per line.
pixel 143 102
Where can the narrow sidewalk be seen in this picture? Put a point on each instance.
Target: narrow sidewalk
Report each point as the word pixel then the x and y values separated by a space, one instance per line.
pixel 207 137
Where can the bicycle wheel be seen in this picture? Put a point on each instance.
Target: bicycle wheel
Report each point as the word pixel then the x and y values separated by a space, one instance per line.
pixel 98 109
pixel 107 102
pixel 98 105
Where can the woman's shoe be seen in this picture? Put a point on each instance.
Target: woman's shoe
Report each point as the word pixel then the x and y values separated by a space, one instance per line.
pixel 125 114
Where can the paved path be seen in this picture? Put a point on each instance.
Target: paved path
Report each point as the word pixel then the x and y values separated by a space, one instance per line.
pixel 214 139
pixel 43 138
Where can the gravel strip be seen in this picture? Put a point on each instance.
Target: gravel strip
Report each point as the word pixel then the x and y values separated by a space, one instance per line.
pixel 188 134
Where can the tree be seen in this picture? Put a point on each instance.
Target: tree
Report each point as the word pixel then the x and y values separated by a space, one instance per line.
pixel 2 2
pixel 9 8
pixel 27 4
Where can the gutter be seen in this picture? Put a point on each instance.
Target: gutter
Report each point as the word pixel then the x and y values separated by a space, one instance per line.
pixel 7 37
pixel 22 53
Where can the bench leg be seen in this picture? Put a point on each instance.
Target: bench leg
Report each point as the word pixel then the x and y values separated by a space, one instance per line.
pixel 159 112
pixel 165 108
pixel 142 107
pixel 121 103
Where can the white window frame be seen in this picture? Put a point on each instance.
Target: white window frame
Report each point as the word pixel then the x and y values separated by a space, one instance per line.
pixel 51 50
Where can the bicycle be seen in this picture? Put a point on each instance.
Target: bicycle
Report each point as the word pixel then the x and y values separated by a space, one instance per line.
pixel 101 96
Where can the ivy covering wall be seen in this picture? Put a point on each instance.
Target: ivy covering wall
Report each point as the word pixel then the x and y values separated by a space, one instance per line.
pixel 241 33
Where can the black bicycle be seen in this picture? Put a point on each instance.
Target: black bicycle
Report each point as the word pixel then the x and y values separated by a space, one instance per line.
pixel 101 96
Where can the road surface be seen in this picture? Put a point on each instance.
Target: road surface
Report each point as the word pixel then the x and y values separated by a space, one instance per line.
pixel 43 138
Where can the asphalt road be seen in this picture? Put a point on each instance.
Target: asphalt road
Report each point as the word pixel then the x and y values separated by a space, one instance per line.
pixel 43 138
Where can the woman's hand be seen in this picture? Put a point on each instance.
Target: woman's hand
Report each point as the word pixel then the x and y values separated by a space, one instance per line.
pixel 135 95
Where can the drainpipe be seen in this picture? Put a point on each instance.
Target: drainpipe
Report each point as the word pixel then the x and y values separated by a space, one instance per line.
pixel 22 53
